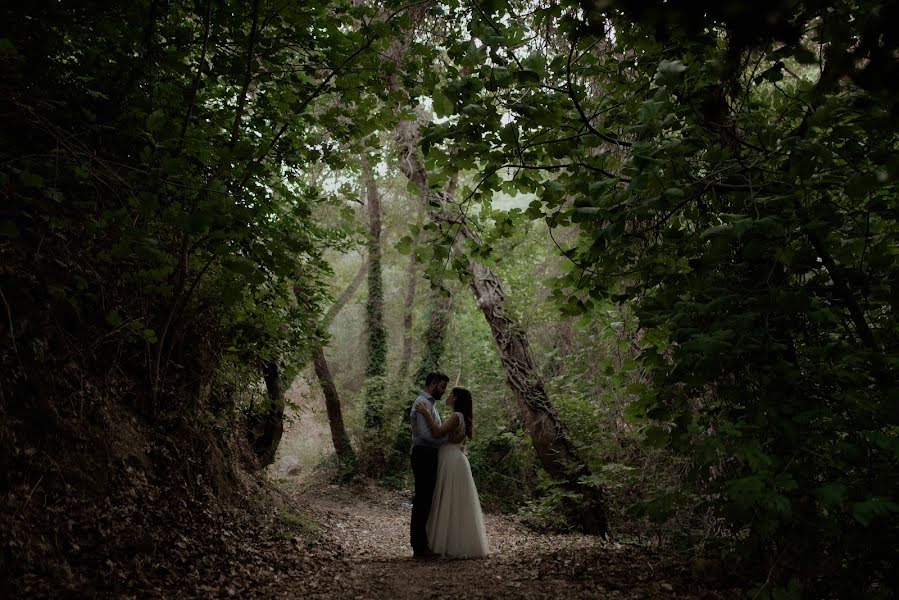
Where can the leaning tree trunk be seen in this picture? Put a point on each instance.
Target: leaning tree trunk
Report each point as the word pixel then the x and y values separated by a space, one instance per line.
pixel 374 308
pixel 548 434
pixel 265 430
pixel 345 455
pixel 342 446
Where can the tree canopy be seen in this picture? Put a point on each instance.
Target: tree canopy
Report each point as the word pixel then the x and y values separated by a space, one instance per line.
pixel 717 178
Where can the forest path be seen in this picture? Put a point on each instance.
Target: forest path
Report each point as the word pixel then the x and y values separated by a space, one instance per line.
pixel 371 527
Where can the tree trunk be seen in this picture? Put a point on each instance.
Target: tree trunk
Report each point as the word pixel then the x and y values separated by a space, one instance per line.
pixel 265 429
pixel 548 434
pixel 374 309
pixel 439 314
pixel 342 446
pixel 402 389
pixel 408 303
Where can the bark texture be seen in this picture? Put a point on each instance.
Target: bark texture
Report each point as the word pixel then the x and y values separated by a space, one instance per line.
pixel 339 437
pixel 440 312
pixel 548 434
pixel 374 309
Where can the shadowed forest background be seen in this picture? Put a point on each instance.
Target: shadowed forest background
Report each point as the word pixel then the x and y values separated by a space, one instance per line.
pixel 657 240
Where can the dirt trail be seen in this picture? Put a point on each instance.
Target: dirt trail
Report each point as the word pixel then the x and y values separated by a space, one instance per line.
pixel 371 528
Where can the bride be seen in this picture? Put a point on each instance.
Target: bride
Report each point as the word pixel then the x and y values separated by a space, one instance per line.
pixel 456 524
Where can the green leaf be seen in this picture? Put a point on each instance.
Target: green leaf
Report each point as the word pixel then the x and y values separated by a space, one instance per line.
pixel 31 180
pixel 239 264
pixel 113 319
pixel 404 246
pixel 347 214
pixel 231 295
pixel 860 186
pixel 528 76
pixel 443 106
pixel 671 67
pixel 832 495
pixel 509 133
pixel 586 213
pixel 156 121
pixel 867 511
pixel 655 436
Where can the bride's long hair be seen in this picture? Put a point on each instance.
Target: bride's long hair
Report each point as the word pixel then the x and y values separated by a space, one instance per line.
pixel 462 404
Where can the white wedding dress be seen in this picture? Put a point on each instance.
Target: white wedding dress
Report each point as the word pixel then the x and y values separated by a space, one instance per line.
pixel 456 523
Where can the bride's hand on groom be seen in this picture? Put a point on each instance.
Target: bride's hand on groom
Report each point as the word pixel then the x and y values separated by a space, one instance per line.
pixel 421 409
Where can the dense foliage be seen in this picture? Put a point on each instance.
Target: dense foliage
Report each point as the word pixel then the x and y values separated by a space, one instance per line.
pixel 709 189
pixel 155 176
pixel 732 172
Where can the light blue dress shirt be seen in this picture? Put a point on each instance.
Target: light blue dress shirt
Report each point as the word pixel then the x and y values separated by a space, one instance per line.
pixel 421 433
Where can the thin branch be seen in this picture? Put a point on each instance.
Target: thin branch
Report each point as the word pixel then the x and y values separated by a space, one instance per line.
pixel 319 89
pixel 12 334
pixel 497 31
pixel 248 77
pixel 580 110
pixel 198 77
pixel 315 94
pixel 345 296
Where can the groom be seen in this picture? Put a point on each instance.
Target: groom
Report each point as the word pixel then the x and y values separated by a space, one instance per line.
pixel 424 462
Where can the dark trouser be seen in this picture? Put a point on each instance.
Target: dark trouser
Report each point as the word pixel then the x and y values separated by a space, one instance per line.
pixel 424 470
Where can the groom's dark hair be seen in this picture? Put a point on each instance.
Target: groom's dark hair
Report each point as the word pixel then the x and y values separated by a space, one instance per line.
pixel 436 376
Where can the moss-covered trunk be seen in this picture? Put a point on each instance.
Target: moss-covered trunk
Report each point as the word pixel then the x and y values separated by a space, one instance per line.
pixel 376 368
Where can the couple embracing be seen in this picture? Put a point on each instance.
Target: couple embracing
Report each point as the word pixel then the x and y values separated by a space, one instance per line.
pixel 446 511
